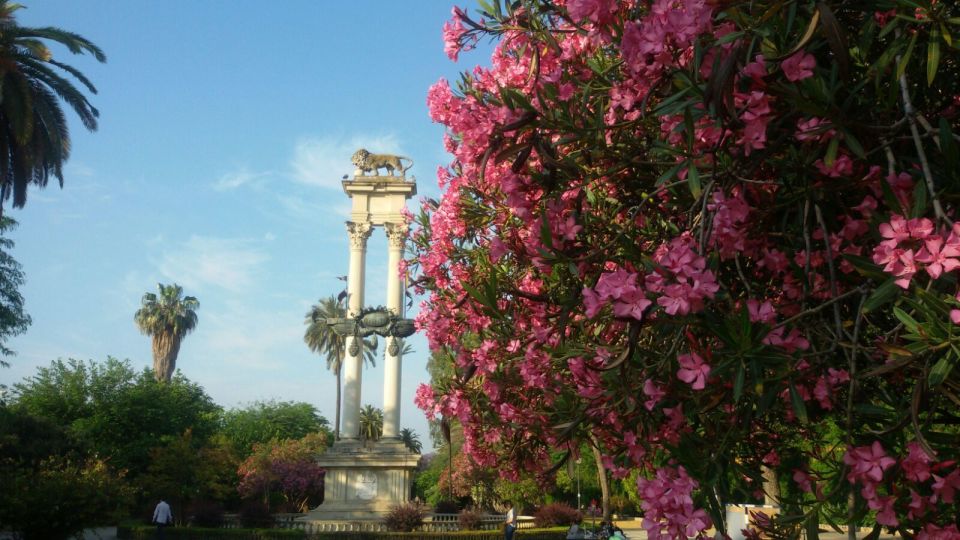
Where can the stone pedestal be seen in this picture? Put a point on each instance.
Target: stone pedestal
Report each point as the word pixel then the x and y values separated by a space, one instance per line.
pixel 364 482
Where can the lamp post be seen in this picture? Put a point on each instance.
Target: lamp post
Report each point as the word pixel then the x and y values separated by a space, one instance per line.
pixel 579 506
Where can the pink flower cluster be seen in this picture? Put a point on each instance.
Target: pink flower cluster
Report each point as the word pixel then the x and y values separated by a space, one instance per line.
pixel 620 288
pixel 867 465
pixel 913 245
pixel 668 505
pixel 682 279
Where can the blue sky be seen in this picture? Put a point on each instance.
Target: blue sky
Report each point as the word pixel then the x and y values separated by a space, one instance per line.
pixel 225 128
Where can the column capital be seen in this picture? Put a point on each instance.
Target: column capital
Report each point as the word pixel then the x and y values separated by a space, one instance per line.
pixel 396 234
pixel 358 233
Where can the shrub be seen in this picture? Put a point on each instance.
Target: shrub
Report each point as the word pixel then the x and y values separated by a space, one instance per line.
pixel 446 506
pixel 557 514
pixel 206 514
pixel 470 519
pixel 255 514
pixel 622 505
pixel 404 517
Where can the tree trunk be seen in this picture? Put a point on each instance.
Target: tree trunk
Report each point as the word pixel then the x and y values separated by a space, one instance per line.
pixel 771 486
pixel 336 423
pixel 602 477
pixel 166 347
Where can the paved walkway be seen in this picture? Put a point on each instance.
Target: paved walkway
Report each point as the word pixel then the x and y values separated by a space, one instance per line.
pixel 633 531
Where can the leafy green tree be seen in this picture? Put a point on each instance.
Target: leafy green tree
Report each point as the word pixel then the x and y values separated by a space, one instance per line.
pixel 262 422
pixel 34 137
pixel 116 412
pixel 13 319
pixel 371 423
pixel 184 472
pixel 321 339
pixel 166 318
pixel 40 464
pixel 411 440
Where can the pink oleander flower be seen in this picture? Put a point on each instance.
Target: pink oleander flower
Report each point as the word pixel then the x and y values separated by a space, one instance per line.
pixel 799 66
pixel 599 12
pixel 453 31
pixel 693 370
pixel 916 466
pixel 814 129
pixel 842 166
pixel 867 463
pixel 654 392
pixel 667 502
pixel 802 478
pixel 944 488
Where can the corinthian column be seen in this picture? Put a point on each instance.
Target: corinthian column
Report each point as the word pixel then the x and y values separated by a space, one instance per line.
pixel 352 370
pixel 396 235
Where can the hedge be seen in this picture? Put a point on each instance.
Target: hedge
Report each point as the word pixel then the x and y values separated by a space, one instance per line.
pixel 144 532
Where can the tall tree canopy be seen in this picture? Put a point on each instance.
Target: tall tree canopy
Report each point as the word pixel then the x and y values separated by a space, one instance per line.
pixel 262 422
pixel 711 238
pixel 34 137
pixel 13 319
pixel 166 318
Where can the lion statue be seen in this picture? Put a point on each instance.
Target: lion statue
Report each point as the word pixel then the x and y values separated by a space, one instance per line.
pixel 367 162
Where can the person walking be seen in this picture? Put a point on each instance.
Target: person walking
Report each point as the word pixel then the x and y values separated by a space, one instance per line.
pixel 510 522
pixel 163 517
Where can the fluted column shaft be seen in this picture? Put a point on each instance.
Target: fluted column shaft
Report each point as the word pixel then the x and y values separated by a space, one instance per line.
pixel 396 235
pixel 352 369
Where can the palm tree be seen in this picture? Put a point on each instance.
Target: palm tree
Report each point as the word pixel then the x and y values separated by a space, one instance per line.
pixel 167 318
pixel 371 423
pixel 34 138
pixel 411 440
pixel 321 339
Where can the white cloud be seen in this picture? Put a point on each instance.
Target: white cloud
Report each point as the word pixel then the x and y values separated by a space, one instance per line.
pixel 240 177
pixel 323 161
pixel 222 262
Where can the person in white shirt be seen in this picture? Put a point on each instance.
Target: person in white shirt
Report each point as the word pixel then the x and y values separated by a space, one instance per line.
pixel 511 522
pixel 163 517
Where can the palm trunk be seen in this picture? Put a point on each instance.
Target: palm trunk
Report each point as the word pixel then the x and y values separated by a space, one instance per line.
pixel 165 347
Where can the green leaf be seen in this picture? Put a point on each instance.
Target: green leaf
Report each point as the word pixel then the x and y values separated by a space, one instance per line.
pixel 738 382
pixel 853 144
pixel 906 319
pixel 948 146
pixel 919 200
pixel 882 295
pixel 865 266
pixel 941 370
pixel 831 155
pixel 799 408
pixel 933 56
pixel 693 180
pixel 902 66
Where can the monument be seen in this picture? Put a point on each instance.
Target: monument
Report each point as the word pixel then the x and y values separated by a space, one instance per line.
pixel 365 478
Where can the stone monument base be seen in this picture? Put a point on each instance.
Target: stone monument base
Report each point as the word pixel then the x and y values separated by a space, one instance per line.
pixel 364 480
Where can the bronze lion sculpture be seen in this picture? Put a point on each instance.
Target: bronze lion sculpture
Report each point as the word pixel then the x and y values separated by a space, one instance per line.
pixel 367 162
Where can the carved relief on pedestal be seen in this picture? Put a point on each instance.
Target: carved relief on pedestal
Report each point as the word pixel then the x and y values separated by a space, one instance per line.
pixel 396 234
pixel 358 233
pixel 367 486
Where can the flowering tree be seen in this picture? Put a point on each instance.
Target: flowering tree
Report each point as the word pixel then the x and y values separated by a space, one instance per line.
pixel 716 238
pixel 285 468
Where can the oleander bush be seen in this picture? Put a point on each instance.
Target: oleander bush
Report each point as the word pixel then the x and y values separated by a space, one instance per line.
pixel 405 517
pixel 557 514
pixel 470 519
